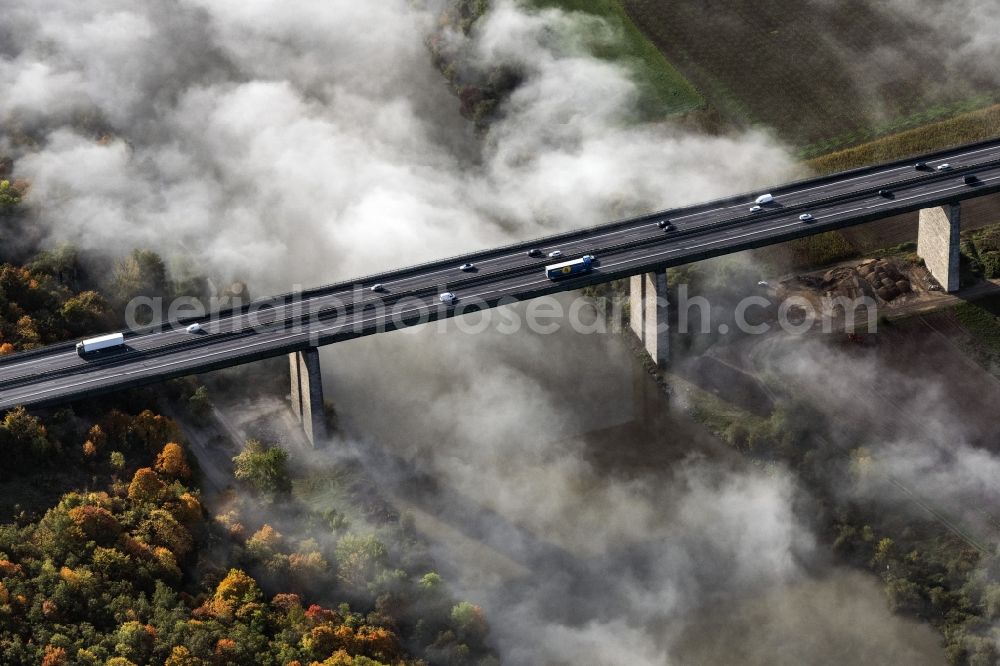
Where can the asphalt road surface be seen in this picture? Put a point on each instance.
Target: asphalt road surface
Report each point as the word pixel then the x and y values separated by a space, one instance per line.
pixel 276 326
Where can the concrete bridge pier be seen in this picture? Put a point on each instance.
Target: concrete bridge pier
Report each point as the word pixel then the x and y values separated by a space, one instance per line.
pixel 938 242
pixel 648 307
pixel 307 393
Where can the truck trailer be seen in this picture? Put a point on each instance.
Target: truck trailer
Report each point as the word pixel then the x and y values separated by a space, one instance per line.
pixel 100 343
pixel 568 268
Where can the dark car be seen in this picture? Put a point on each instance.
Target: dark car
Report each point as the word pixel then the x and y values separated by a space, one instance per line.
pixel 920 166
pixel 971 179
pixel 534 252
pixel 885 193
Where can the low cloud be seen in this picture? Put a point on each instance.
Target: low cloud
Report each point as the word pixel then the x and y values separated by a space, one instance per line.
pixel 305 146
pixel 244 136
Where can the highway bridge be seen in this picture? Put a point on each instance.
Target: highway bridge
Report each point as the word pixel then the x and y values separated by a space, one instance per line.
pixel 294 323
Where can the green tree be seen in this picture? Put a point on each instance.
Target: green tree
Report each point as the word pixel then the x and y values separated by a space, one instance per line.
pixel 142 273
pixel 359 560
pixel 199 403
pixel 10 198
pixel 264 469
pixel 117 460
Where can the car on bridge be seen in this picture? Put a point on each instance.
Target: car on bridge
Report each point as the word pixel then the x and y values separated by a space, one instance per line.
pixel 194 328
pixel 806 217
pixel 534 252
pixel 448 298
pixel 555 253
pixel 764 199
pixel 756 209
pixel 943 167
pixel 378 287
pixel 467 267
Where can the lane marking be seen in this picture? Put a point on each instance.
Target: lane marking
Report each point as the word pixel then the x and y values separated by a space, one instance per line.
pixel 426 306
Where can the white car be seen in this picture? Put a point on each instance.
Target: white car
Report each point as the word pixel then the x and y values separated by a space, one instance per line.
pixel 943 167
pixel 447 298
pixel 763 283
pixel 806 217
pixel 755 209
pixel 378 287
pixel 194 328
pixel 764 199
pixel 467 267
pixel 555 253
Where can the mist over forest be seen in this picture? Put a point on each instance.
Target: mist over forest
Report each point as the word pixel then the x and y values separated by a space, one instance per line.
pixel 586 515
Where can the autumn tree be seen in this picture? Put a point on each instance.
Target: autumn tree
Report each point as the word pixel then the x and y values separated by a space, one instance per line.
pixel 27 333
pixel 152 431
pixel 172 462
pixel 146 486
pixel 164 529
pixel 23 438
pixel 85 312
pixel 54 656
pixel 235 590
pixel 264 542
pixel 181 656
pixel 186 509
pixel 97 523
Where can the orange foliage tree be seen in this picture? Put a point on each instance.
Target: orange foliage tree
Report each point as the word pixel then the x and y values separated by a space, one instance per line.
pixel 234 591
pixel 96 523
pixel 55 656
pixel 172 462
pixel 153 430
pixel 146 486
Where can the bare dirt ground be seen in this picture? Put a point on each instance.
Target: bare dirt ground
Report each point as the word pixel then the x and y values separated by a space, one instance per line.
pixel 805 69
pixel 891 283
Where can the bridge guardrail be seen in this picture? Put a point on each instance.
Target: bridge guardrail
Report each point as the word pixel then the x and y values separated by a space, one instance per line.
pixel 559 237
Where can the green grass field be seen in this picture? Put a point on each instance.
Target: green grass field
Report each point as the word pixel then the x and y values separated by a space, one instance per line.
pixel 665 90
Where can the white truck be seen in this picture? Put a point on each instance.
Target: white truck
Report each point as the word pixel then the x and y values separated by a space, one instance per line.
pixel 100 343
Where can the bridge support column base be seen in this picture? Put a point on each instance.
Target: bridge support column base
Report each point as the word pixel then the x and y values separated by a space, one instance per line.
pixel 648 307
pixel 307 393
pixel 938 242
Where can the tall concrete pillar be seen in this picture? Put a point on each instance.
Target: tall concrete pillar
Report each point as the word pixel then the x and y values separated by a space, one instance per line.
pixel 307 393
pixel 648 314
pixel 938 242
